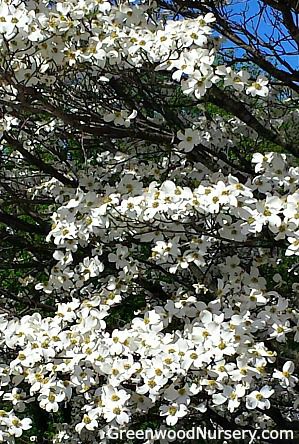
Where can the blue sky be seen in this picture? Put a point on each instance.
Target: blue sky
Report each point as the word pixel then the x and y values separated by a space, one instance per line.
pixel 264 21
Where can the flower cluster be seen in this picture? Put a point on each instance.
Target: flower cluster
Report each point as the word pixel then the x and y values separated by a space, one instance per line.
pixel 43 40
pixel 174 278
pixel 208 345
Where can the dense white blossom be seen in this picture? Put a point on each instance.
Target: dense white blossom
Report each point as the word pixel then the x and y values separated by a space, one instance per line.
pixel 217 347
pixel 201 247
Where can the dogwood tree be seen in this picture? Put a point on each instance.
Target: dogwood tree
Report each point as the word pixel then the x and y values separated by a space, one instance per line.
pixel 149 218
